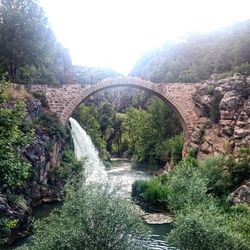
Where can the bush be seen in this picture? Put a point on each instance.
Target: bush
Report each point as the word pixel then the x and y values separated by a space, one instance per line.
pixel 152 192
pixel 19 201
pixel 93 218
pixel 69 165
pixel 170 150
pixel 6 225
pixel 205 227
pixel 186 185
pixel 218 179
pixel 226 174
pixel 240 167
pixel 13 169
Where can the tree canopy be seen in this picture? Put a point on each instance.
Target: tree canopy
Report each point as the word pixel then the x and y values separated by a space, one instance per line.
pixel 29 51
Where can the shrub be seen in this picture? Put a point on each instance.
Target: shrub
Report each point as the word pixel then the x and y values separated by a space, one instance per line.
pixel 42 98
pixel 226 174
pixel 170 149
pixel 93 218
pixel 186 185
pixel 218 179
pixel 13 169
pixel 69 165
pixel 152 192
pixel 205 227
pixel 6 225
pixel 240 167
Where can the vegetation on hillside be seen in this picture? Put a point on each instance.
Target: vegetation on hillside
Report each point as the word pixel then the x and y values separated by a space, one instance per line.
pixel 198 56
pixel 13 169
pixel 29 51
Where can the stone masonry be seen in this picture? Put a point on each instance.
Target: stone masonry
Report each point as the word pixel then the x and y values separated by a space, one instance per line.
pixel 64 99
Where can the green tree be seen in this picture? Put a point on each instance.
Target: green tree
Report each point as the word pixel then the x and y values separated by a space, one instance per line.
pixel 13 169
pixel 28 47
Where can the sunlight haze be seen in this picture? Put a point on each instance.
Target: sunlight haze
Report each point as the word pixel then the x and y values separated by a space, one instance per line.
pixel 115 33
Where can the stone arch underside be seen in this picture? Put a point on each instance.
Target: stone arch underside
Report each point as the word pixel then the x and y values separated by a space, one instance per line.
pixel 63 100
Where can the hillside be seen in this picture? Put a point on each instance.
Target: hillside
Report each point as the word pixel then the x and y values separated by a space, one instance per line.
pixel 197 56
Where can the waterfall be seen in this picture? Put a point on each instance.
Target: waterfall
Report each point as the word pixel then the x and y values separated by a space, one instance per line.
pixel 85 149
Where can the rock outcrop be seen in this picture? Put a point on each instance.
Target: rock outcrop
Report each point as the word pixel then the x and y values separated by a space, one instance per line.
pixel 241 194
pixel 224 111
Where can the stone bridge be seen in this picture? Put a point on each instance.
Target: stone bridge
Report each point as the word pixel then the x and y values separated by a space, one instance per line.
pixel 65 98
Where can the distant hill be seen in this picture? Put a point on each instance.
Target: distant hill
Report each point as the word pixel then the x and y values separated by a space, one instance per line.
pixel 197 56
pixel 90 75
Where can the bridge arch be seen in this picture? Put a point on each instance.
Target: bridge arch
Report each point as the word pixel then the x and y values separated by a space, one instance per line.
pixel 64 99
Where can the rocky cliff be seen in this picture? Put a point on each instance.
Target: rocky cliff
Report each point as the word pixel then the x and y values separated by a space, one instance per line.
pixel 224 124
pixel 43 185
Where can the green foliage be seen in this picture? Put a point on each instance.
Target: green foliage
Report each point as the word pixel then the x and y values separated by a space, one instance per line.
pixel 200 222
pixel 143 134
pixel 171 149
pixel 69 165
pixel 239 168
pixel 225 174
pixel 42 98
pixel 219 181
pixel 187 186
pixel 210 91
pixel 151 192
pixel 29 51
pixel 13 169
pixel 244 70
pixel 147 134
pixel 92 217
pixel 206 228
pixel 6 225
pixel 51 123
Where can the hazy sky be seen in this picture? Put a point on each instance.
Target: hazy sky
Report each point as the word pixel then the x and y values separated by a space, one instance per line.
pixel 115 33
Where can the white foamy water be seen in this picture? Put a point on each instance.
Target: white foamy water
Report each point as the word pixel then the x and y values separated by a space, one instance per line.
pixel 85 149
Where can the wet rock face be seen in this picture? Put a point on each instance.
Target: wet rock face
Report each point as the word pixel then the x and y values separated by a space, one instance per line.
pixel 43 154
pixel 34 108
pixel 224 124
